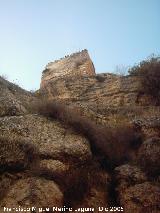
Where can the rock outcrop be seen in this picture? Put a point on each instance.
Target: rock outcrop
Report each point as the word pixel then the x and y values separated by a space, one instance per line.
pixel 144 197
pixel 46 162
pixel 113 90
pixel 134 192
pixel 39 160
pixel 77 64
pixel 149 156
pixel 33 191
pixel 13 99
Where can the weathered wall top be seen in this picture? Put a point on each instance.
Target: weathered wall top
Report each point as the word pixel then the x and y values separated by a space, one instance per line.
pixel 78 64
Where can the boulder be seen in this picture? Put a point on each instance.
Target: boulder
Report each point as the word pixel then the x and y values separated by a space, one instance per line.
pixel 143 197
pixel 13 99
pixel 149 156
pixel 126 176
pixel 45 152
pixel 50 137
pixel 36 192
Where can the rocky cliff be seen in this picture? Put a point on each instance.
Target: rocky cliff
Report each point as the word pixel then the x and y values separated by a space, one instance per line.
pixel 65 155
pixel 77 64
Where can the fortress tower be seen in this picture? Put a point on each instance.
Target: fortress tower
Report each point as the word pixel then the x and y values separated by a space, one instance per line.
pixel 77 64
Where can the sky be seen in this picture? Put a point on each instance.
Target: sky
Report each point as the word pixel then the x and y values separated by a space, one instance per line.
pixel 35 32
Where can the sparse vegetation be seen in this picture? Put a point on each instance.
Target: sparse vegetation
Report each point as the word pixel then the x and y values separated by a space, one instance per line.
pixel 76 185
pixel 149 73
pixel 121 70
pixel 114 143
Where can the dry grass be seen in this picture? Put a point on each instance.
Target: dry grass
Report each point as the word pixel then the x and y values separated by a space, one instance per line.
pixel 114 143
pixel 80 180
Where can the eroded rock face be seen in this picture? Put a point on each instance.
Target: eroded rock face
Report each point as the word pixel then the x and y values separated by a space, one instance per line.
pixel 102 92
pixel 44 163
pixel 133 192
pixel 126 176
pixel 144 197
pixel 149 156
pixel 13 99
pixel 149 125
pixel 52 140
pixel 33 192
pixel 11 153
pixel 77 64
pixel 33 147
pixel 114 90
pixel 53 167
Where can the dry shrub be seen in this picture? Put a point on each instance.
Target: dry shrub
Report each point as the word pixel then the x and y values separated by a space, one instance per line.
pixel 76 185
pixel 149 72
pixel 114 143
pixel 100 78
pixel 80 180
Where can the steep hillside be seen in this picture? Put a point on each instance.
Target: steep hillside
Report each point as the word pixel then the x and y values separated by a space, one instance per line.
pixel 81 142
pixel 13 99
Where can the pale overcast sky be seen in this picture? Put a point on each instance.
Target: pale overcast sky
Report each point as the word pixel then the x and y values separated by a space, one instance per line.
pixel 35 32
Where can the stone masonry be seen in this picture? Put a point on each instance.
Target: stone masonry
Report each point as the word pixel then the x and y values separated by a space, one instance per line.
pixel 78 64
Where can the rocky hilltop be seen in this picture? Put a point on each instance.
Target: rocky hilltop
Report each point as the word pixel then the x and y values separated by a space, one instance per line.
pixel 77 64
pixel 81 141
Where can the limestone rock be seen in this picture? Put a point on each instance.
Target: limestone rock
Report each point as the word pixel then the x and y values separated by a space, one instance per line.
pixel 126 176
pixel 45 163
pixel 96 198
pixel 149 125
pixel 50 137
pixel 53 167
pixel 36 145
pixel 149 156
pixel 144 197
pixel 11 154
pixel 33 192
pixel 13 99
pixel 77 64
pixel 113 91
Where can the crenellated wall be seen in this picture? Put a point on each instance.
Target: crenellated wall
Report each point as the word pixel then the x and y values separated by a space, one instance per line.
pixel 78 64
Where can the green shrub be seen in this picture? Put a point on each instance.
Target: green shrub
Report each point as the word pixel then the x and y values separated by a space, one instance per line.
pixel 149 73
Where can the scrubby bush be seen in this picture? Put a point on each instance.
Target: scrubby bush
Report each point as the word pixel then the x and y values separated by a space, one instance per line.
pixel 149 72
pixel 76 185
pixel 100 78
pixel 113 143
